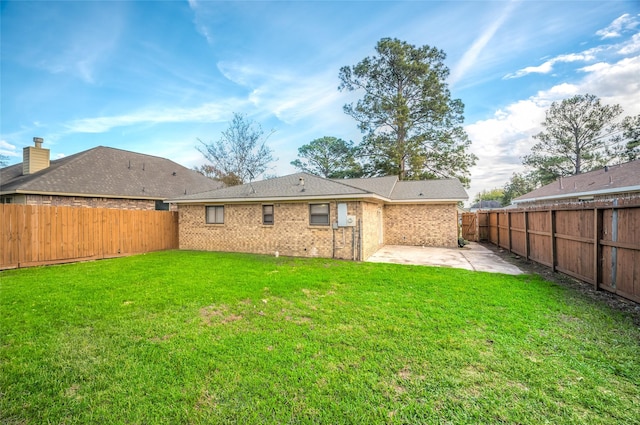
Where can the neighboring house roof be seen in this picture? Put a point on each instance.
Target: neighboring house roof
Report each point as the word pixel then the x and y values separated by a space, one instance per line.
pixel 107 172
pixel 622 178
pixel 302 186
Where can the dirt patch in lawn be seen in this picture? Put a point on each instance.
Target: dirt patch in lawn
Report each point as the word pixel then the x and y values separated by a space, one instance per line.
pixel 586 289
pixel 218 314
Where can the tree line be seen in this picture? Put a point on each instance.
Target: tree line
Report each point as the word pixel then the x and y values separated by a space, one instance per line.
pixel 580 134
pixel 413 128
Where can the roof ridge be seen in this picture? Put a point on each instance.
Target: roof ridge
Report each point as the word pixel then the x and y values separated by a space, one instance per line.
pixel 395 183
pixel 135 153
pixel 339 181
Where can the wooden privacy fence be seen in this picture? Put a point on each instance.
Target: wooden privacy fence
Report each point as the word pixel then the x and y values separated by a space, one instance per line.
pixel 599 245
pixel 37 234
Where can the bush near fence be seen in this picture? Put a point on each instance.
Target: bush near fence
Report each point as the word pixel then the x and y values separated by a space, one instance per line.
pixel 33 235
pixel 596 243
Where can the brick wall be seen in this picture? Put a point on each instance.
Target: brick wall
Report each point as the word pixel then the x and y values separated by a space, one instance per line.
pixel 421 225
pixel 80 201
pixel 291 234
pixel 243 231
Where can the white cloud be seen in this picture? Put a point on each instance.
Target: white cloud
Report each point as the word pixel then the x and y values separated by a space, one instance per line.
pixel 615 83
pixel 631 46
pixel 618 26
pixel 209 112
pixel 471 55
pixel 547 67
pixel 200 21
pixel 7 149
pixel 81 47
pixel 289 97
pixel 500 142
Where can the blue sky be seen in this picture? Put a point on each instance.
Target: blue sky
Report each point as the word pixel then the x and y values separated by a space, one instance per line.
pixel 153 77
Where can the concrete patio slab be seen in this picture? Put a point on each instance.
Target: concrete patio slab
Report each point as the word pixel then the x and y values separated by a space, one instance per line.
pixel 472 257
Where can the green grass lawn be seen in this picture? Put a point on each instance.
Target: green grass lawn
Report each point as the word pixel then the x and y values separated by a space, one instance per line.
pixel 191 337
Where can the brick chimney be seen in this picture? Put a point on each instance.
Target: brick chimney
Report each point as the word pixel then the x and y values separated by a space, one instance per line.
pixel 35 158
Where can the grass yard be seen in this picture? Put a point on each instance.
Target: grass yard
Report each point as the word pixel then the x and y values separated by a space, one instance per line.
pixel 199 338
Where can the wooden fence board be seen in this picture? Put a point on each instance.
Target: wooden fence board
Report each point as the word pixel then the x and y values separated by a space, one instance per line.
pixel 598 244
pixel 41 234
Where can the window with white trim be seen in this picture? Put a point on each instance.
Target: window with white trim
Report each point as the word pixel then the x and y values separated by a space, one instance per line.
pixel 215 214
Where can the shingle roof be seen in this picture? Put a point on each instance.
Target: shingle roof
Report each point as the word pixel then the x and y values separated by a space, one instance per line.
pixel 108 172
pixel 382 186
pixel 282 187
pixel 290 187
pixel 612 179
pixel 449 189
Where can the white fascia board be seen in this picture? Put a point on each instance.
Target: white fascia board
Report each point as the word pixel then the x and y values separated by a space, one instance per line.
pixel 581 194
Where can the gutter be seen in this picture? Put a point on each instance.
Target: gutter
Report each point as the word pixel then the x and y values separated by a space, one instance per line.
pixel 580 194
pixel 320 197
pixel 81 195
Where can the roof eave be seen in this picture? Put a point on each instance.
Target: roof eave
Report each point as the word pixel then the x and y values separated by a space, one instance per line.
pixel 274 199
pixel 635 188
pixel 312 197
pixel 81 195
pixel 426 201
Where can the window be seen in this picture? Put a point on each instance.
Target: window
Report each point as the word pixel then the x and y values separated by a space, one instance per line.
pixel 319 214
pixel 162 206
pixel 267 214
pixel 215 214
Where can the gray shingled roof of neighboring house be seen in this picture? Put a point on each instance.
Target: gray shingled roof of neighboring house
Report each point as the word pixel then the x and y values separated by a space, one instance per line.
pixel 108 172
pixel 290 187
pixel 622 178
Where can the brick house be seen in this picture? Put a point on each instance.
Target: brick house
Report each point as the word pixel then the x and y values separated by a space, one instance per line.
pixel 99 177
pixel 306 215
pixel 612 184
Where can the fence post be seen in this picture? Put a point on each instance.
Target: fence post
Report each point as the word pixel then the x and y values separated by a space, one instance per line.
pixel 498 229
pixel 526 234
pixel 597 248
pixel 552 218
pixel 509 230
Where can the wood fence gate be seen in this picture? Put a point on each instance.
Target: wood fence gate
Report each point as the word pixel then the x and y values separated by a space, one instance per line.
pixel 470 226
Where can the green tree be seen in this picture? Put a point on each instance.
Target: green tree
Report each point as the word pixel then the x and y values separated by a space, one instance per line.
pixel 578 136
pixel 241 153
pixel 412 127
pixel 630 139
pixel 518 185
pixel 488 199
pixel 328 157
pixel 210 171
pixel 4 160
